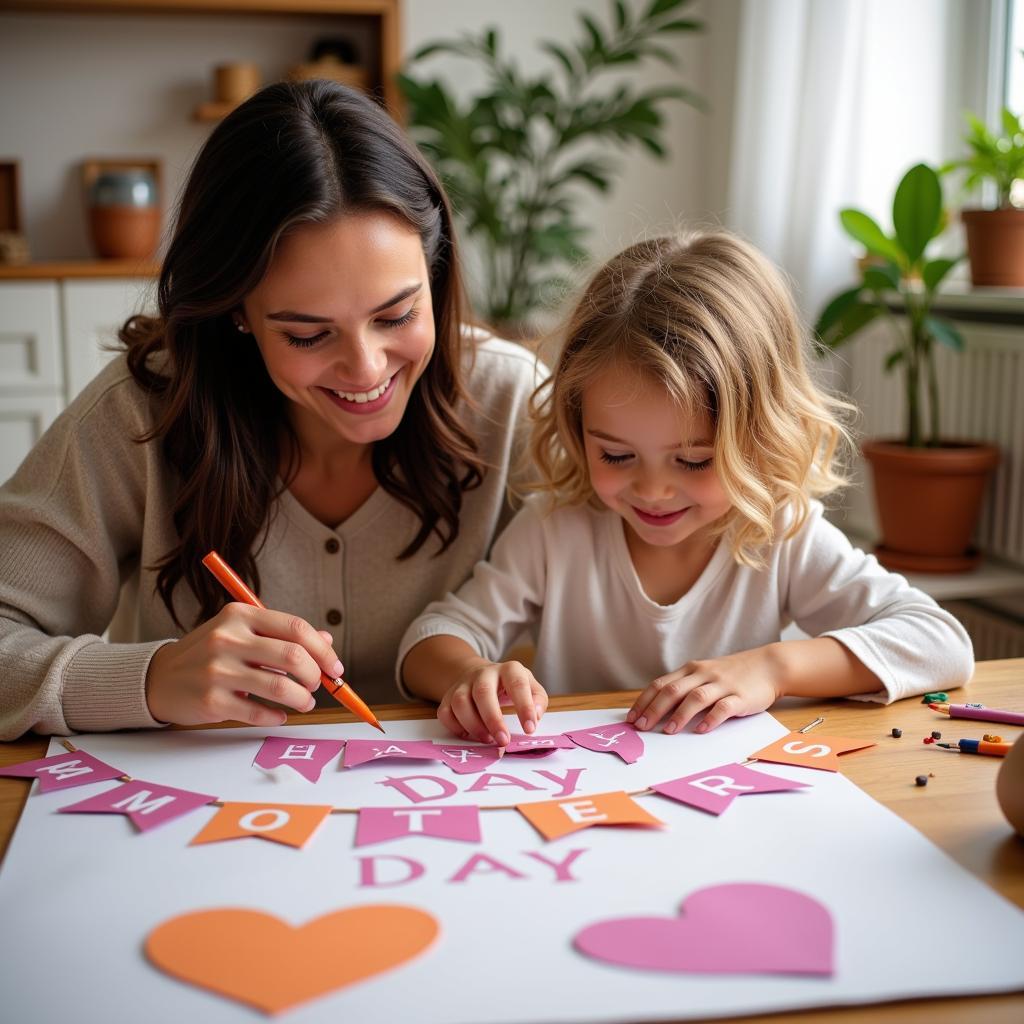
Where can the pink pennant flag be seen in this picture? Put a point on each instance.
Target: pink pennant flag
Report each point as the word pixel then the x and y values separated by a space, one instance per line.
pixel 539 745
pixel 63 771
pixel 379 824
pixel 620 738
pixel 307 757
pixel 146 804
pixel 466 759
pixel 361 751
pixel 715 789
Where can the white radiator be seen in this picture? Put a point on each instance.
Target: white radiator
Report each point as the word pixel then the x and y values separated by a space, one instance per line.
pixel 993 635
pixel 981 397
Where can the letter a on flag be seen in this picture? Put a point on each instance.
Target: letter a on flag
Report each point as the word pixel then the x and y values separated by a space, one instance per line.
pixel 63 771
pixel 361 751
pixel 810 750
pixel 290 824
pixel 554 818
pixel 145 804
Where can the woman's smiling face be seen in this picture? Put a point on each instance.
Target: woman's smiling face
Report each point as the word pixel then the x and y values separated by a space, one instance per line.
pixel 344 321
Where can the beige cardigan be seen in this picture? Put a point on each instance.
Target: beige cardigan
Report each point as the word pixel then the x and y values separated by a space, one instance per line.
pixel 88 508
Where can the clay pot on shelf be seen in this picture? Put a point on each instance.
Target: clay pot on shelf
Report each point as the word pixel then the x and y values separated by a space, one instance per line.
pixel 124 214
pixel 928 501
pixel 995 246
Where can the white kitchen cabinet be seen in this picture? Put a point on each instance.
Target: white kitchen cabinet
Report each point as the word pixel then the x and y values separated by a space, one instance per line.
pixel 55 336
pixel 94 312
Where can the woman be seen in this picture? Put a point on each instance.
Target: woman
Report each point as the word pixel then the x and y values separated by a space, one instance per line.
pixel 308 402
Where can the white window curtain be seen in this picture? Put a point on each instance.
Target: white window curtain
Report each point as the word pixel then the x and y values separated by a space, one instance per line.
pixel 835 99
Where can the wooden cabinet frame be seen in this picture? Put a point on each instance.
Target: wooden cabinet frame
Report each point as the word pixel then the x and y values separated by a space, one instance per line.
pixel 385 12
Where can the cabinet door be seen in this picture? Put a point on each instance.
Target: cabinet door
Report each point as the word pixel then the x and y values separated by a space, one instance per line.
pixel 23 418
pixel 94 312
pixel 29 337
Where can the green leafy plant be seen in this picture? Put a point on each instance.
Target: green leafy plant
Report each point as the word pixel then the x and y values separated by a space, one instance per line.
pixel 898 267
pixel 514 156
pixel 998 158
pixel 995 157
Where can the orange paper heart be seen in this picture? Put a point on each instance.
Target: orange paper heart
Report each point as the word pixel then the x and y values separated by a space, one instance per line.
pixel 259 959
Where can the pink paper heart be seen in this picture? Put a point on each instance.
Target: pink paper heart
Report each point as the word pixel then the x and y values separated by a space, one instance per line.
pixel 740 928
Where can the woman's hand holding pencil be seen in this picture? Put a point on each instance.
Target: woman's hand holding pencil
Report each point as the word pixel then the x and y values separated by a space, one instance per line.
pixel 245 649
pixel 208 675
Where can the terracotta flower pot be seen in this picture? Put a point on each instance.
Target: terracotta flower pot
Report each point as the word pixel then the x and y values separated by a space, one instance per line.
pixel 928 500
pixel 124 215
pixel 995 246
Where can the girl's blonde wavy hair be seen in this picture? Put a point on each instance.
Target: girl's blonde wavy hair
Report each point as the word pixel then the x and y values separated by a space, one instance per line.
pixel 713 320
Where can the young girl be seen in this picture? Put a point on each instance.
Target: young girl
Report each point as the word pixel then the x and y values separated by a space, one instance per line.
pixel 307 402
pixel 685 446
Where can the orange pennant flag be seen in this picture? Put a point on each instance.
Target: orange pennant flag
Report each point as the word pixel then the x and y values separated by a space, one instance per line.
pixel 291 824
pixel 554 818
pixel 808 751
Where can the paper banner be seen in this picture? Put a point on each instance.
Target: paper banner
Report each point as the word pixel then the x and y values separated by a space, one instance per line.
pixel 620 738
pixel 807 751
pixel 466 759
pixel 379 824
pixel 63 771
pixel 306 756
pixel 554 818
pixel 519 743
pixel 715 789
pixel 290 824
pixel 146 804
pixel 725 929
pixel 261 961
pixel 363 751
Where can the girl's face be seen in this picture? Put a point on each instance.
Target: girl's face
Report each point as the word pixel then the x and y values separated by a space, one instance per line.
pixel 649 460
pixel 344 321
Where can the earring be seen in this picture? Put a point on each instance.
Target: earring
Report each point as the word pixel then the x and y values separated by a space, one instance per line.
pixel 241 327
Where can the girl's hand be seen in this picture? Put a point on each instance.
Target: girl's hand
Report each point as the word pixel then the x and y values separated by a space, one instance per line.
pixel 734 685
pixel 208 674
pixel 471 708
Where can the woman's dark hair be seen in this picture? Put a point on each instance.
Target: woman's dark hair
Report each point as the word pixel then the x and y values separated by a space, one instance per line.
pixel 294 153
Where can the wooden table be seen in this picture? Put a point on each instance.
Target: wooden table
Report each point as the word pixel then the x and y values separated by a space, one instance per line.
pixel 957 810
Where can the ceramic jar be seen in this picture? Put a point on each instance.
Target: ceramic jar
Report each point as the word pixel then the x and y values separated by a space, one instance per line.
pixel 124 213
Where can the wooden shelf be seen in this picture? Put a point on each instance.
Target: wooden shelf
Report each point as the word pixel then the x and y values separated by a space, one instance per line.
pixel 79 268
pixel 387 58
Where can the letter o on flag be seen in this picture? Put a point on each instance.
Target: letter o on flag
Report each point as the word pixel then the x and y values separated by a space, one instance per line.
pixel 278 819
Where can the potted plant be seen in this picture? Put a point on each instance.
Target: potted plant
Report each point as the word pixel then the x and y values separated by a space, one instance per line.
pixel 514 156
pixel 995 238
pixel 928 489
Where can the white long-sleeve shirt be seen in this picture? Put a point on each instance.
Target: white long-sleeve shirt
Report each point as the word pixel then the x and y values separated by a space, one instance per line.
pixel 567 574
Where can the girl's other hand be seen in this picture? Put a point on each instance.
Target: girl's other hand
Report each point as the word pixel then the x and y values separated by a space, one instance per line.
pixel 208 675
pixel 728 687
pixel 471 708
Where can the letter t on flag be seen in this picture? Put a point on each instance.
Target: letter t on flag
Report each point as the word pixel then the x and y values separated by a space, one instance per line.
pixel 378 824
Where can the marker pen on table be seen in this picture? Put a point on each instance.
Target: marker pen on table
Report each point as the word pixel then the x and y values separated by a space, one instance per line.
pixel 978 747
pixel 980 713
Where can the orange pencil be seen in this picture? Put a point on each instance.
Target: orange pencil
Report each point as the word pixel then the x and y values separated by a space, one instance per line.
pixel 337 688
